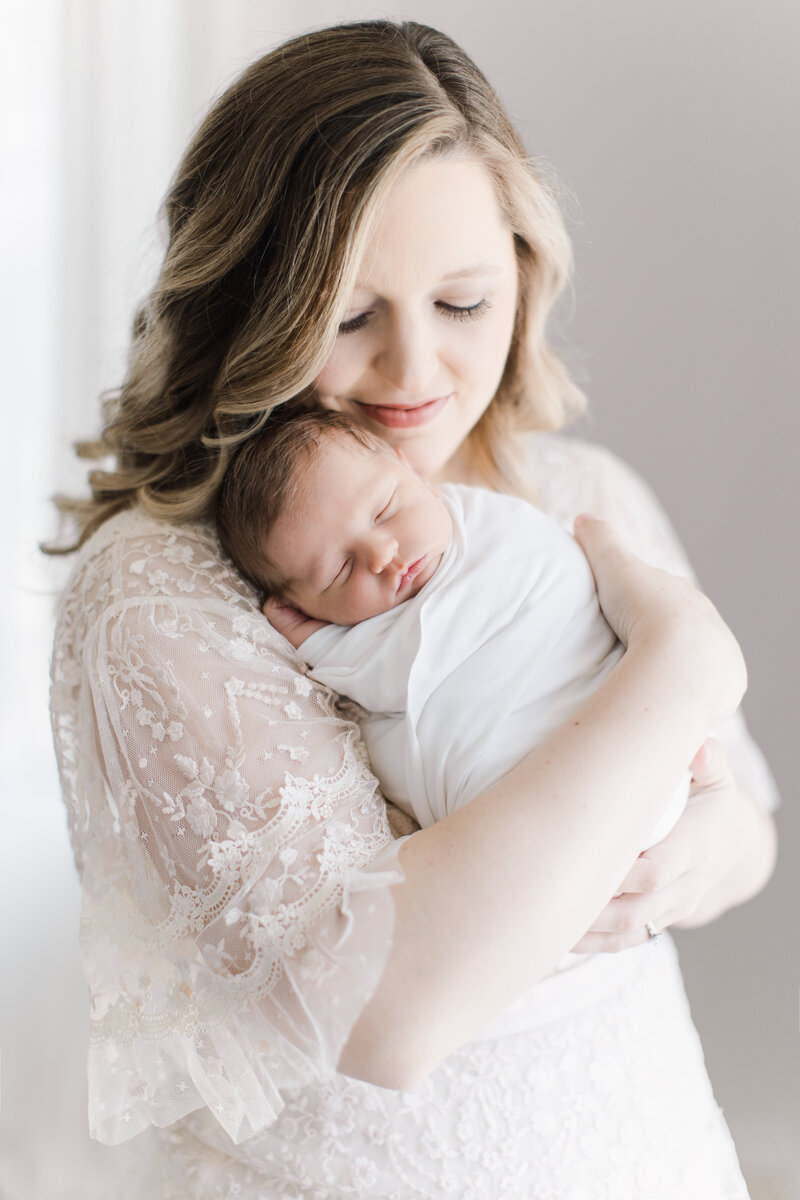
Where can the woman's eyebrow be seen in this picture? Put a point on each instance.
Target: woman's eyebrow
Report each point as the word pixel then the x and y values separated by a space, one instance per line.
pixel 478 269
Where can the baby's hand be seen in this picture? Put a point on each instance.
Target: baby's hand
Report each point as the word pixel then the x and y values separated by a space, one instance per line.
pixel 291 622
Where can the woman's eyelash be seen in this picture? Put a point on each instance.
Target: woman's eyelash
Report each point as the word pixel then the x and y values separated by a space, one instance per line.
pixel 354 325
pixel 453 311
pixel 464 314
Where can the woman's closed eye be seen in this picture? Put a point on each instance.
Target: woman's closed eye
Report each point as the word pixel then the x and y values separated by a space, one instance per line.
pixel 453 312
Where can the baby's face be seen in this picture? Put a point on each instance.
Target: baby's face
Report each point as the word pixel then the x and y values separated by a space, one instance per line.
pixel 364 534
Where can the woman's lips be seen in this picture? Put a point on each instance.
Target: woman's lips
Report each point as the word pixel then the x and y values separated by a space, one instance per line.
pixel 404 418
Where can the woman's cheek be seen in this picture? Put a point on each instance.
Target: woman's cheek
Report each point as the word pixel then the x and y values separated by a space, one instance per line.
pixel 324 384
pixel 336 377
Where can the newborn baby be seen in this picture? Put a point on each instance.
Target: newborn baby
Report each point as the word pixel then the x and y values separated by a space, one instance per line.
pixel 465 622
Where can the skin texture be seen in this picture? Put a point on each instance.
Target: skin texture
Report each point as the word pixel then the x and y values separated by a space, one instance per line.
pixel 442 216
pixel 353 538
pixel 495 892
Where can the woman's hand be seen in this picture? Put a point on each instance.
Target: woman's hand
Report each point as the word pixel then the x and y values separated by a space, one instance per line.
pixel 680 881
pixel 291 622
pixel 644 605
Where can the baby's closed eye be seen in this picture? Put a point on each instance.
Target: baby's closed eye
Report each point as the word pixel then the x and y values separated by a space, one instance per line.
pixel 388 510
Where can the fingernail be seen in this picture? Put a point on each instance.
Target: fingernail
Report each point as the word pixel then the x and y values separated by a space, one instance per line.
pixel 582 518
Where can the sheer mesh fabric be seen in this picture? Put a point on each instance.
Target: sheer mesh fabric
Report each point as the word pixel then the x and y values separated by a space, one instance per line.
pixel 228 833
pixel 236 858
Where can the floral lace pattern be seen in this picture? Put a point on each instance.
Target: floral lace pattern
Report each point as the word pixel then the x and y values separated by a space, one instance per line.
pixel 228 833
pixel 534 1116
pixel 236 861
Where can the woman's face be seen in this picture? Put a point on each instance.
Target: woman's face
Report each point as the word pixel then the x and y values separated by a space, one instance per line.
pixel 425 340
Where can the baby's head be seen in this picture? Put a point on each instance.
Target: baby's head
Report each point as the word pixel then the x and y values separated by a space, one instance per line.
pixel 322 514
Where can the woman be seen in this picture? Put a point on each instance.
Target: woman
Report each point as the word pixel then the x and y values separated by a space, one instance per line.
pixel 298 1004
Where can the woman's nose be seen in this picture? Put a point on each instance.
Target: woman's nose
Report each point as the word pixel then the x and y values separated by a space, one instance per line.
pixel 408 358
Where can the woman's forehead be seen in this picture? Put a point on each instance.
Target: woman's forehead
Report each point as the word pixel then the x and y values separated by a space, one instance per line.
pixel 439 222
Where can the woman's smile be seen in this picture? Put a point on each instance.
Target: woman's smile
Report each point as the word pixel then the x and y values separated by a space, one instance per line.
pixel 395 416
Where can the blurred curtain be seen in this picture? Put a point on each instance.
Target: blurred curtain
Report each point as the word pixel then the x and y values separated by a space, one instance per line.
pixel 97 100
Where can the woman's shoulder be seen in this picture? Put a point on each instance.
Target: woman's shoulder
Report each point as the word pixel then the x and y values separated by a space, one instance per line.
pixel 142 555
pixel 567 471
pixel 135 557
pixel 570 475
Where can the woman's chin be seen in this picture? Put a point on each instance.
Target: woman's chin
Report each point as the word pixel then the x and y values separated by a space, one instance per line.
pixel 430 462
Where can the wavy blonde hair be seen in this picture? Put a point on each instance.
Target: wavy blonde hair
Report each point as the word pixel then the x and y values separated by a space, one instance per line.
pixel 267 217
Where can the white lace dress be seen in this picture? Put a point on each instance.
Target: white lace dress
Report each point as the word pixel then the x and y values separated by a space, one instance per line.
pixel 236 860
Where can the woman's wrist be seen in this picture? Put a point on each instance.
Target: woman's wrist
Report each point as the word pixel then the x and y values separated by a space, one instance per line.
pixel 701 659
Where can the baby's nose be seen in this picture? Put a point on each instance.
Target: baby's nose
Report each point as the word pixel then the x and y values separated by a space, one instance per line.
pixel 383 554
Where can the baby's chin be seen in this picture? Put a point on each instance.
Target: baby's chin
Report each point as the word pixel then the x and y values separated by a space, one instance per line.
pixel 356 617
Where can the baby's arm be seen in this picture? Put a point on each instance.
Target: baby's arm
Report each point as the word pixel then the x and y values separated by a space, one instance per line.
pixel 291 622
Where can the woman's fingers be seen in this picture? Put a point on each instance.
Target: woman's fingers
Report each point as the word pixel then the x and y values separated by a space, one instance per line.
pixel 599 540
pixel 632 910
pixel 709 766
pixel 615 573
pixel 623 922
pixel 669 883
pixel 644 603
pixel 656 868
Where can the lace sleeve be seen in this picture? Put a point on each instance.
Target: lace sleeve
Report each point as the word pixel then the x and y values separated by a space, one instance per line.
pixel 236 863
pixel 574 476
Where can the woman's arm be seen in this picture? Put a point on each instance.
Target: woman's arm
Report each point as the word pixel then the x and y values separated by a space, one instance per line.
pixel 530 862
pixel 241 890
pixel 722 850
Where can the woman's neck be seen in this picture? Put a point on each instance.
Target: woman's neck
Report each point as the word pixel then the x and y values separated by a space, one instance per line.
pixel 461 468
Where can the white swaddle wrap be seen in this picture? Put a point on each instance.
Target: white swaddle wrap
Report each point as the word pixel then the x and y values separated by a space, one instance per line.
pixel 502 644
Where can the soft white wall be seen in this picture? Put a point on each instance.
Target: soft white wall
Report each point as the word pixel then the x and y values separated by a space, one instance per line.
pixel 675 126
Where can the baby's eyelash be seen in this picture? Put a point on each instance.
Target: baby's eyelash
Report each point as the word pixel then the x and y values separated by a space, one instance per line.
pixel 386 506
pixel 452 311
pixel 338 574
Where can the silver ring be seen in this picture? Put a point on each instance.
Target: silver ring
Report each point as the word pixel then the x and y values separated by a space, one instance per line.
pixel 652 932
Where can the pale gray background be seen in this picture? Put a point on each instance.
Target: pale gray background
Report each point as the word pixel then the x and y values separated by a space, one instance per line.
pixel 674 125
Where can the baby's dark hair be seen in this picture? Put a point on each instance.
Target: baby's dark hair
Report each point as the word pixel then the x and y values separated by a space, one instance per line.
pixel 262 480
